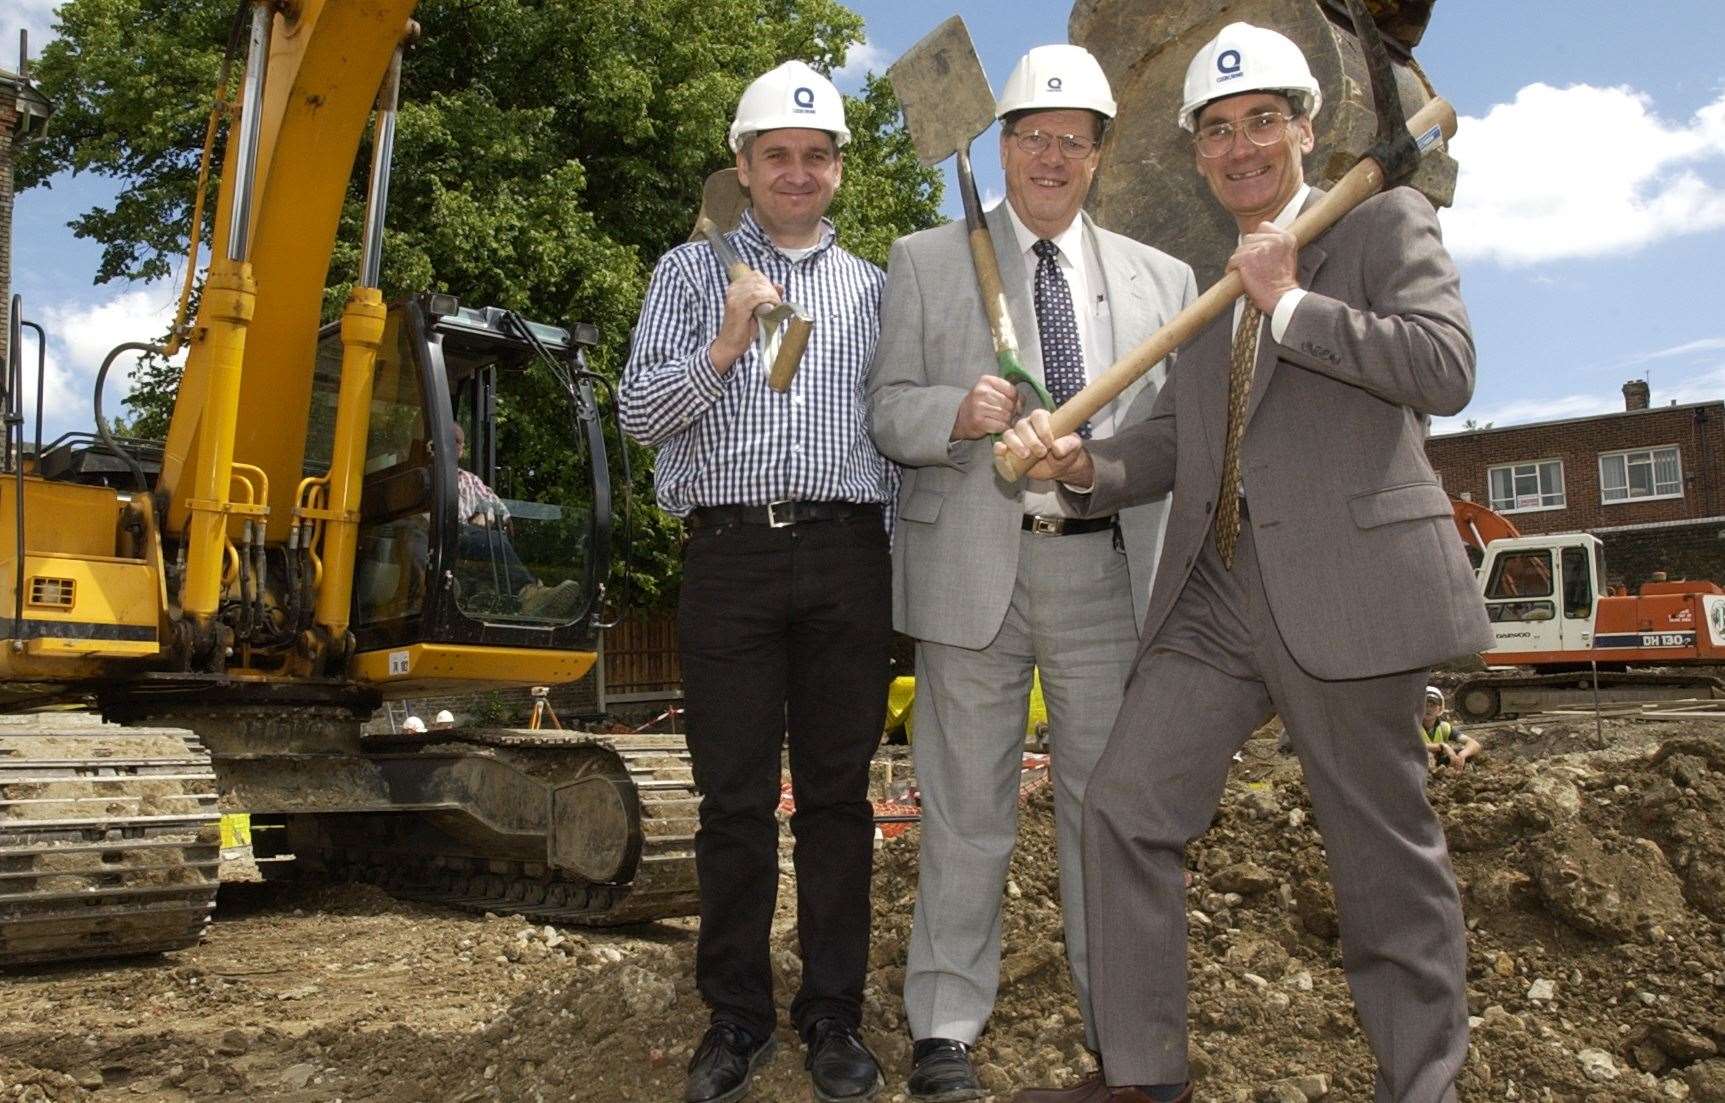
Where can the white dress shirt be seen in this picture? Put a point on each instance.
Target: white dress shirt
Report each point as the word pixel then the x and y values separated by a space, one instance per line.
pixel 1083 271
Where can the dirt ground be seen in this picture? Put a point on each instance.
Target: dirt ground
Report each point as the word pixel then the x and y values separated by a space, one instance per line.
pixel 1593 869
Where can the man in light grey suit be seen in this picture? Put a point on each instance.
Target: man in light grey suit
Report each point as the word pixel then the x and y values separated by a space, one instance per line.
pixel 996 579
pixel 1311 569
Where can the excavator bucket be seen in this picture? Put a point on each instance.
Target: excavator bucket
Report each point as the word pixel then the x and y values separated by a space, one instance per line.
pixel 1147 186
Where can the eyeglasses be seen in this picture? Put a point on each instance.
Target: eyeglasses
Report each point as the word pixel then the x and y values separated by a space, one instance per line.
pixel 1263 129
pixel 1074 147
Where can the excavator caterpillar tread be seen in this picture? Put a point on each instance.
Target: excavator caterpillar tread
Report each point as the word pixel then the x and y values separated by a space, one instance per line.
pixel 1497 694
pixel 655 769
pixel 110 840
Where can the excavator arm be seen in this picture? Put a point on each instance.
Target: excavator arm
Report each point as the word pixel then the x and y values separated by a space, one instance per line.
pixel 313 71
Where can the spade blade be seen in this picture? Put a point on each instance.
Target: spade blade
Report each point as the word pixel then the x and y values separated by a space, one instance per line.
pixel 945 94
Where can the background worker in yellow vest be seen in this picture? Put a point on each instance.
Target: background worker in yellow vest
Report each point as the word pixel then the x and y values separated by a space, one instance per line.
pixel 1446 744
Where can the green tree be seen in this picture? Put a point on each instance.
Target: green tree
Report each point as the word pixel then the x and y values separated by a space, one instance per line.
pixel 547 152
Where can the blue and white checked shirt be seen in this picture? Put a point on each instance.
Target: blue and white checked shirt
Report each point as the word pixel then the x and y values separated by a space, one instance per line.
pixel 729 440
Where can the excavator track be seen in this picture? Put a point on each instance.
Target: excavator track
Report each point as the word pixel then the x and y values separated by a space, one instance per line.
pixel 399 854
pixel 1504 694
pixel 110 839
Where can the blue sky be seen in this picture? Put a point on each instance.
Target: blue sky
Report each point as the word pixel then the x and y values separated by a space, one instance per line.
pixel 1589 220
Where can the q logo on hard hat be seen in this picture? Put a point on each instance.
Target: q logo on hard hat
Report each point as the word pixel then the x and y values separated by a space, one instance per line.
pixel 804 98
pixel 1228 64
pixel 1055 84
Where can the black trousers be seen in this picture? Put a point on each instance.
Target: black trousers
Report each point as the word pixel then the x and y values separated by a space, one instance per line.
pixel 784 633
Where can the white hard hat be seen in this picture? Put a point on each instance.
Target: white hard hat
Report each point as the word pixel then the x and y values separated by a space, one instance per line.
pixel 413 724
pixel 1056 78
pixel 791 95
pixel 1244 58
pixel 1433 693
pixel 444 716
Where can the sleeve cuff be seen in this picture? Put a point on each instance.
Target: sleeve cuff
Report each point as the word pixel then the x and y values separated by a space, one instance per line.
pixel 1284 312
pixel 705 378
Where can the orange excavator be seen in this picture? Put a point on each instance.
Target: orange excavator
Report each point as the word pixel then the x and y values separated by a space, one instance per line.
pixel 1564 640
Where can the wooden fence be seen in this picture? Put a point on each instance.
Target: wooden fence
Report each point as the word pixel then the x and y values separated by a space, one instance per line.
pixel 641 658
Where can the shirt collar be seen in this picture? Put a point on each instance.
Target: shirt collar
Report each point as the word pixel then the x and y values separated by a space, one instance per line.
pixel 750 231
pixel 1292 211
pixel 1069 241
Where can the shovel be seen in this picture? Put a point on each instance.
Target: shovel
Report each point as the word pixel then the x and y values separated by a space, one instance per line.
pixel 947 101
pixel 785 328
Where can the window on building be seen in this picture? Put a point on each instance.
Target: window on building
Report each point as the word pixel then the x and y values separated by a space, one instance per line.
pixel 1646 473
pixel 1521 487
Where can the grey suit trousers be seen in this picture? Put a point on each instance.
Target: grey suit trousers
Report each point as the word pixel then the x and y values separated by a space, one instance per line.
pixel 1071 617
pixel 1216 670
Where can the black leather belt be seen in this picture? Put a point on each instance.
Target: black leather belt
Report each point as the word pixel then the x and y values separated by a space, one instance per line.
pixel 779 514
pixel 1065 526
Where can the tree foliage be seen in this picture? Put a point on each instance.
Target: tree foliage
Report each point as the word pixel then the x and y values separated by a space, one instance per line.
pixel 547 152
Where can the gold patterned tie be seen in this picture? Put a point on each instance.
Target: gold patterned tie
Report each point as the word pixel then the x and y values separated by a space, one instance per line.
pixel 1245 355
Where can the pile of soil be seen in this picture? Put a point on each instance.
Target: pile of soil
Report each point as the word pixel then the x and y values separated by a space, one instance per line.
pixel 1593 874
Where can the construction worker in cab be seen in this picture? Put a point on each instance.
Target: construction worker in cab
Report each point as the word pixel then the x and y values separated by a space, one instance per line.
pixel 784 621
pixel 1446 745
pixel 1292 436
pixel 998 582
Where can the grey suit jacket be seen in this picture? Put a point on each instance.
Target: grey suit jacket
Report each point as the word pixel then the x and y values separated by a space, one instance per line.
pixel 1355 541
pixel 955 548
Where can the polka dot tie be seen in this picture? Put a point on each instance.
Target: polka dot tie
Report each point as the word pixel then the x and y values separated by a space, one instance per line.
pixel 1062 352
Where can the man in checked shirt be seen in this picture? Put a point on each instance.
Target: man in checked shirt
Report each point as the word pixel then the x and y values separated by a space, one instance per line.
pixel 785 615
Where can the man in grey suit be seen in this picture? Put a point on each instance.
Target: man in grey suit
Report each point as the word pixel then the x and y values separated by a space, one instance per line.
pixel 995 579
pixel 1311 569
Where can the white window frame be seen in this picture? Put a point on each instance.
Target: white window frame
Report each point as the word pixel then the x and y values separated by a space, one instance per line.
pixel 1650 452
pixel 1562 485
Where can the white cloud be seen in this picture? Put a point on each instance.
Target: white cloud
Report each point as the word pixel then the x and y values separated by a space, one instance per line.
pixel 78 338
pixel 1704 382
pixel 1688 348
pixel 35 16
pixel 1582 172
pixel 860 60
pixel 1706 385
pixel 1520 411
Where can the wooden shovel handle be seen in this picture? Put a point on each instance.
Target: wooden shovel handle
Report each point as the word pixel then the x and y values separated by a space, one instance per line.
pixel 984 261
pixel 1362 182
pixel 790 355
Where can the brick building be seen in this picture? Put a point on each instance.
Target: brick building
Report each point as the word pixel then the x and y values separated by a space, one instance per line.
pixel 1647 480
pixel 23 112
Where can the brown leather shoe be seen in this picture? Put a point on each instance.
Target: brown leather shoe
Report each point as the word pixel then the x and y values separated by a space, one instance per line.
pixel 1089 1090
pixel 1133 1095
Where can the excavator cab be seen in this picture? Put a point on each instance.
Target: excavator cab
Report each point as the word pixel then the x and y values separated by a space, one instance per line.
pixel 486 504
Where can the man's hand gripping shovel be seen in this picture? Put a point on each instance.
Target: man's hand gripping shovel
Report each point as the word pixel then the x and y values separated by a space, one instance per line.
pixel 1393 157
pixel 785 328
pixel 947 101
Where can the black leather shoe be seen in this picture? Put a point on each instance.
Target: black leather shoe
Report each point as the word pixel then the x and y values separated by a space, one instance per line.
pixel 724 1063
pixel 840 1065
pixel 942 1072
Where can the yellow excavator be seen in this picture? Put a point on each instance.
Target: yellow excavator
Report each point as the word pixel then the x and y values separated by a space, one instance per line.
pixel 308 543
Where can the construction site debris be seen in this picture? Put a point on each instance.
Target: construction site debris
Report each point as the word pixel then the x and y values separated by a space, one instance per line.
pixel 1593 876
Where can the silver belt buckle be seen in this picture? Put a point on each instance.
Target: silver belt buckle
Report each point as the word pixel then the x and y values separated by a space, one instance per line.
pixel 773 521
pixel 1047 526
